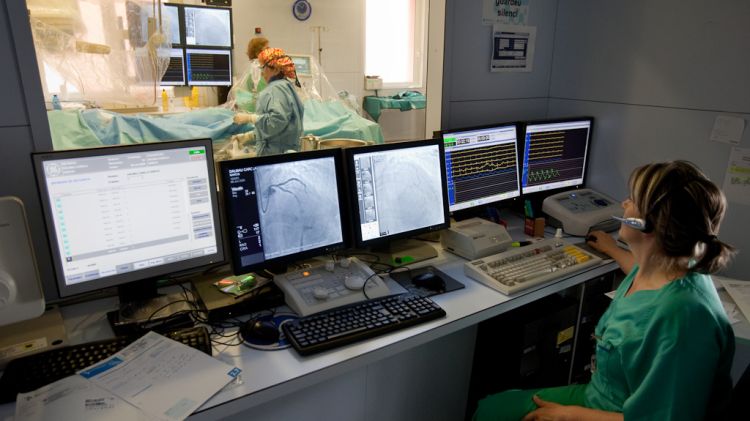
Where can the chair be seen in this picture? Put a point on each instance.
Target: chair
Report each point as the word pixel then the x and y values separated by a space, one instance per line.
pixel 738 408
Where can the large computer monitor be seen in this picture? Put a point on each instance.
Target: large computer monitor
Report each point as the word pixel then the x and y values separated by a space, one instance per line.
pixel 481 165
pixel 116 215
pixel 208 26
pixel 175 74
pixel 554 154
pixel 283 208
pixel 209 67
pixel 398 190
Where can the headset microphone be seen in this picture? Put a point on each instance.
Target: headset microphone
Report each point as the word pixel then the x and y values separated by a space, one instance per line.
pixel 635 223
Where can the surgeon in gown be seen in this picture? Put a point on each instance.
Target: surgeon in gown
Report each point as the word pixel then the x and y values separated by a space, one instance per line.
pixel 279 111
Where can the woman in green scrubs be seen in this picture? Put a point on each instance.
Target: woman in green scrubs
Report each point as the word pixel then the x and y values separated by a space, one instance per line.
pixel 664 347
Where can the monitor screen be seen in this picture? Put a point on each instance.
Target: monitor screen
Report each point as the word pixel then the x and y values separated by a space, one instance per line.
pixel 128 213
pixel 481 165
pixel 284 207
pixel 400 190
pixel 554 154
pixel 302 64
pixel 171 13
pixel 209 67
pixel 175 74
pixel 208 26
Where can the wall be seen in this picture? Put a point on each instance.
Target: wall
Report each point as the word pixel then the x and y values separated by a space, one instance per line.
pixel 655 75
pixel 23 126
pixel 472 95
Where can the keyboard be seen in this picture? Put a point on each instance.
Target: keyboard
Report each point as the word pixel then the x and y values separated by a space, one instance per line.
pixel 29 373
pixel 523 267
pixel 326 286
pixel 359 321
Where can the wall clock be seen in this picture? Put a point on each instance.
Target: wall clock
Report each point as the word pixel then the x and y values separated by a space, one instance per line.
pixel 301 9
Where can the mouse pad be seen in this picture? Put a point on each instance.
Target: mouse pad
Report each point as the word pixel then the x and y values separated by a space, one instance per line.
pixel 404 279
pixel 277 319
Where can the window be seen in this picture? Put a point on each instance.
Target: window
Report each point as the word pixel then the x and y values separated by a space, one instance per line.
pixel 395 41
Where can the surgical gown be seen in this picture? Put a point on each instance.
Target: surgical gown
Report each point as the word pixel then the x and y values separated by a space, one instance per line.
pixel 279 124
pixel 661 354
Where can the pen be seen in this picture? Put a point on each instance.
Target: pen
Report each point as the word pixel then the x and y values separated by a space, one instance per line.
pixel 520 243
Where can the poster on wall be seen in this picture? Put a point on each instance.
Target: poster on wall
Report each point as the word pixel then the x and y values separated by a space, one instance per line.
pixel 737 179
pixel 509 12
pixel 512 48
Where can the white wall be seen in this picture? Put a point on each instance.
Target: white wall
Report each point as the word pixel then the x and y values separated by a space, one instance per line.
pixel 655 75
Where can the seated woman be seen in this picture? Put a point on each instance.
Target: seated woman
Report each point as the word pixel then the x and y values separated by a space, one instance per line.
pixel 664 347
pixel 279 112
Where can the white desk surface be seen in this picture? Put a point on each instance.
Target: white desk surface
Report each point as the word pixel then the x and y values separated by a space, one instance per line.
pixel 267 375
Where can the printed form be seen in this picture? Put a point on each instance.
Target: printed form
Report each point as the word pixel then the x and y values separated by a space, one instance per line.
pixel 164 378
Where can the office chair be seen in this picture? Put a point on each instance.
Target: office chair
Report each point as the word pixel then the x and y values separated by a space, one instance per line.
pixel 737 408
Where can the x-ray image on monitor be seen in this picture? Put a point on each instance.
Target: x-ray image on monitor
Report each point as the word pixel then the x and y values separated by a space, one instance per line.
pixel 296 205
pixel 208 26
pixel 399 190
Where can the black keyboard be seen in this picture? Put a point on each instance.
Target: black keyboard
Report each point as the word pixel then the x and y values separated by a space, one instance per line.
pixel 29 373
pixel 354 322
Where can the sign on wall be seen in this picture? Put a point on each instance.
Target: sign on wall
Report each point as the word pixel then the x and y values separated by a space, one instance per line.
pixel 512 48
pixel 509 12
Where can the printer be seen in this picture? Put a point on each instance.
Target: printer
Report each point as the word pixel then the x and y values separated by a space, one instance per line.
pixel 475 238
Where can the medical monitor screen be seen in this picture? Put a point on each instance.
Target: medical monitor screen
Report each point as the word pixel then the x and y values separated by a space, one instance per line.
pixel 209 67
pixel 128 213
pixel 208 26
pixel 481 166
pixel 171 13
pixel 175 74
pixel 399 189
pixel 302 64
pixel 554 154
pixel 284 207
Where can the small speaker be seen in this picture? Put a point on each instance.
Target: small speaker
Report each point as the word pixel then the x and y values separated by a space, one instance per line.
pixel 225 3
pixel 21 296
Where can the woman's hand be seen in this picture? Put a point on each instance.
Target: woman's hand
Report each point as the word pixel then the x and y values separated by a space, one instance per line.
pixel 550 411
pixel 244 118
pixel 602 241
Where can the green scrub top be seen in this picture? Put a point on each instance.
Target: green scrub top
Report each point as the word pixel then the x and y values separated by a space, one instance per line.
pixel 663 354
pixel 279 124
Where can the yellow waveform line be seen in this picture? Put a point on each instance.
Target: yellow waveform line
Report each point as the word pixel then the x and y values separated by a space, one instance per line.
pixel 486 167
pixel 471 159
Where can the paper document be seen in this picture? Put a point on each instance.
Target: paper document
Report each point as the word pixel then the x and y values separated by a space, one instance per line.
pixel 164 378
pixel 740 293
pixel 74 398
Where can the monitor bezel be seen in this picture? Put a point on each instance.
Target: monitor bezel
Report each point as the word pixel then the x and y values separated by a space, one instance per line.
pixel 516 124
pixel 188 66
pixel 192 264
pixel 522 147
pixel 183 28
pixel 354 203
pixel 225 166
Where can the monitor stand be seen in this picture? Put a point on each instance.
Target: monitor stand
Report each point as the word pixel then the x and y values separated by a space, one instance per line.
pixel 142 308
pixel 404 252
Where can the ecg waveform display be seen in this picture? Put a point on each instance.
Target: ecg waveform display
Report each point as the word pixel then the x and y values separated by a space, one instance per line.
pixel 554 156
pixel 481 172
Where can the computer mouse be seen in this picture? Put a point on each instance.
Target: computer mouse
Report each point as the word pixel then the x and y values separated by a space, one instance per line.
pixel 257 331
pixel 428 280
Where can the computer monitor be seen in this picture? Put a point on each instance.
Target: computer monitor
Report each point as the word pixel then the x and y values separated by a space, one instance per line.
pixel 283 208
pixel 175 74
pixel 302 64
pixel 481 165
pixel 398 190
pixel 116 215
pixel 208 26
pixel 554 154
pixel 209 67
pixel 172 16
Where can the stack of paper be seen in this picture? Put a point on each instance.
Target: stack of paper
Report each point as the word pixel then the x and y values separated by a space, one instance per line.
pixel 153 378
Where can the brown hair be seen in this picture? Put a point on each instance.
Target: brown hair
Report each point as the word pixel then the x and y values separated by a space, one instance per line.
pixel 684 209
pixel 255 46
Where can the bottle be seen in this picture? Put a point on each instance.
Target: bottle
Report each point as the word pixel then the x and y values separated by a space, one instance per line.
pixel 56 103
pixel 194 97
pixel 164 100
